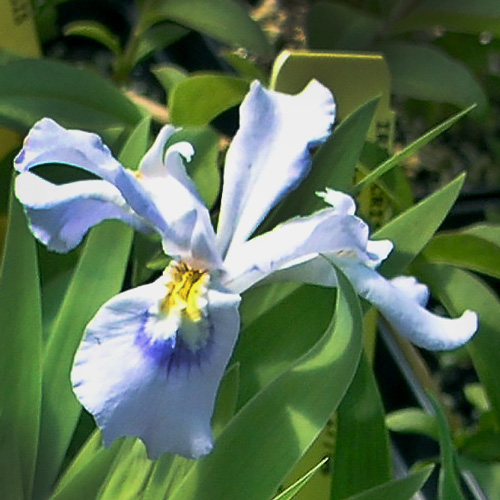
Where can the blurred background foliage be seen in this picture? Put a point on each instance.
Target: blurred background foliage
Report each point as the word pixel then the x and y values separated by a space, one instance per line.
pixel 123 68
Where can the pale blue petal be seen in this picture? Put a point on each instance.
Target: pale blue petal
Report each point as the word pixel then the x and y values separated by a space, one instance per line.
pixel 164 176
pixel 48 142
pixel 400 302
pixel 378 251
pixel 340 202
pixel 270 154
pixel 175 212
pixel 60 215
pixel 291 244
pixel 153 164
pixel 137 378
pixel 411 287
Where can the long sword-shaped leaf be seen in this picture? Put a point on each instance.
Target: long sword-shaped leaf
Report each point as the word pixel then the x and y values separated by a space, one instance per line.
pixel 401 489
pixel 296 487
pixel 270 434
pixel 20 359
pixel 97 277
pixel 413 229
pixel 395 160
pixel 362 457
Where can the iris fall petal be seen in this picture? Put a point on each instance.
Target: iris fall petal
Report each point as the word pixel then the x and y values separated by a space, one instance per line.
pixel 137 383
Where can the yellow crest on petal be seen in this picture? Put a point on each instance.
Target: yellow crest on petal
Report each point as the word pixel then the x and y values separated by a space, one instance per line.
pixel 186 291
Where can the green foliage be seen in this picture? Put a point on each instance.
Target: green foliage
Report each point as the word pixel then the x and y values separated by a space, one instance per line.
pixel 409 235
pixel 296 487
pixel 402 489
pixel 197 100
pixel 449 477
pixel 97 32
pixel 279 424
pixel 299 359
pixel 452 82
pixel 408 151
pixel 97 277
pixel 412 420
pixel 362 458
pixel 459 290
pixel 20 359
pixel 72 96
pixel 223 20
pixel 419 70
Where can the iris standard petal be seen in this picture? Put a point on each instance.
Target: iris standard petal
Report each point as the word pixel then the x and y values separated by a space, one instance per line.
pixel 153 164
pixel 400 302
pixel 295 242
pixel 164 176
pixel 138 378
pixel 270 154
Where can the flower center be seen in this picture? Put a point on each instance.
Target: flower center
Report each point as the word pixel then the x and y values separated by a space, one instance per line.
pixel 186 291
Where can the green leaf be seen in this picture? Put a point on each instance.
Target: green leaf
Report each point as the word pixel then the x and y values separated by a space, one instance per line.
pixel 263 357
pixel 20 358
pixel 334 26
pixel 413 229
pixel 86 474
pixel 244 66
pixel 449 478
pixel 474 24
pixel 169 76
pixel 97 277
pixel 296 487
pixel 361 438
pixel 120 483
pixel 227 398
pixel 72 96
pixel 137 144
pixel 401 489
pixel 333 165
pixel 483 445
pixel 168 473
pixel 490 8
pixel 488 232
pixel 408 151
pixel 413 421
pixel 197 100
pixel 458 290
pixel 280 423
pixel 476 396
pixel 487 474
pixel 429 74
pixel 223 20
pixel 465 250
pixel 95 31
pixel 157 38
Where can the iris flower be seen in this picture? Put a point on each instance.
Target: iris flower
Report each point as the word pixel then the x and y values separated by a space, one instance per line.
pixel 152 358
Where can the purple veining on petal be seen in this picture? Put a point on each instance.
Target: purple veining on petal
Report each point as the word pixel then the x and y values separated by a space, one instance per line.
pixel 173 353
